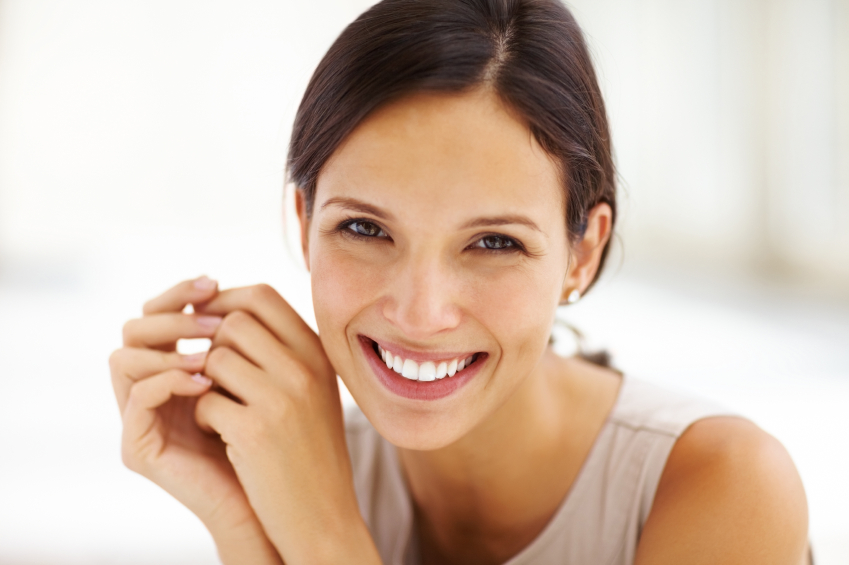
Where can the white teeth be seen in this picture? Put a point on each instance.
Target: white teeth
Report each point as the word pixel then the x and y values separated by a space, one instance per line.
pixel 385 356
pixel 427 371
pixel 410 370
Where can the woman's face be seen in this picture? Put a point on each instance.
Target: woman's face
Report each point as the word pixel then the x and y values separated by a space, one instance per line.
pixel 437 235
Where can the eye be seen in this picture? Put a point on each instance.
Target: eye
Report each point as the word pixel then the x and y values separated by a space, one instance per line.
pixel 496 243
pixel 365 229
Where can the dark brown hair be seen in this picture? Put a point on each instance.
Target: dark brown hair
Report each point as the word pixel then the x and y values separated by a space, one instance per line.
pixel 530 52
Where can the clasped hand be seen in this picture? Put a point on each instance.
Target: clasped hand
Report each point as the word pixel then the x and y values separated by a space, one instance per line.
pixel 250 435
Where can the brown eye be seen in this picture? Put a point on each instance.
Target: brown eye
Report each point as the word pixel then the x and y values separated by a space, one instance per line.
pixel 366 229
pixel 495 242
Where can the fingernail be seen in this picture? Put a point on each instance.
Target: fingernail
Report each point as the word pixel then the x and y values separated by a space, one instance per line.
pixel 194 358
pixel 198 378
pixel 205 283
pixel 209 322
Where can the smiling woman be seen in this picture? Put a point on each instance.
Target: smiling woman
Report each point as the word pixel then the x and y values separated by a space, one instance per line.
pixel 455 186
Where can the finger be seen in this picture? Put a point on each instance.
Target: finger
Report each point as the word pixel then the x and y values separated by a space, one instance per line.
pixel 128 365
pixel 267 306
pixel 217 413
pixel 242 332
pixel 165 329
pixel 236 374
pixel 177 297
pixel 148 394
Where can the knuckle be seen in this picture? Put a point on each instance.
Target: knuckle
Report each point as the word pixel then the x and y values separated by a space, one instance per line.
pixel 116 361
pixel 200 413
pixel 201 404
pixel 117 384
pixel 128 458
pixel 232 454
pixel 237 318
pixel 147 307
pixel 172 360
pixel 232 323
pixel 129 329
pixel 218 356
pixel 131 459
pixel 262 293
pixel 137 392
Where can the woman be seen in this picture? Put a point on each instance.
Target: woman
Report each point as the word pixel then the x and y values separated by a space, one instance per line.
pixel 455 185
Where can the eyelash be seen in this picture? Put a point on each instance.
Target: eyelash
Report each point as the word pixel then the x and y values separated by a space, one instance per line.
pixel 346 228
pixel 513 245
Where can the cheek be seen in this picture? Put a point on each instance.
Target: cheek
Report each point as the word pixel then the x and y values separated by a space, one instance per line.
pixel 342 287
pixel 518 306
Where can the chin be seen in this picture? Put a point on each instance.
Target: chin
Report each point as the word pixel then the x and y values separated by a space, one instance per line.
pixel 416 431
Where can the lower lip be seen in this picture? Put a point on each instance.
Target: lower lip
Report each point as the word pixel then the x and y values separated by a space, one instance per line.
pixel 418 390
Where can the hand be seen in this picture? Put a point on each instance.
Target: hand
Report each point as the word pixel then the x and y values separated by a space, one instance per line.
pixel 281 421
pixel 156 395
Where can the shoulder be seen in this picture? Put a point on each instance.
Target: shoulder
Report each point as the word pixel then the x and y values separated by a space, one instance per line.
pixel 729 493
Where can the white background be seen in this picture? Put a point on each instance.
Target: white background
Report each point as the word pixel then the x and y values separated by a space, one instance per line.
pixel 142 143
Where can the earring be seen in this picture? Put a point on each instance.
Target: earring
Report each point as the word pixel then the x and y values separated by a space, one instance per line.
pixel 574 296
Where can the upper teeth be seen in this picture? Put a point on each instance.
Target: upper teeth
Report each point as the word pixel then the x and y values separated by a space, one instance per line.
pixel 428 370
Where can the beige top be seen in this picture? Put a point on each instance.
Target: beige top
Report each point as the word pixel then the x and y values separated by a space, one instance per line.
pixel 600 520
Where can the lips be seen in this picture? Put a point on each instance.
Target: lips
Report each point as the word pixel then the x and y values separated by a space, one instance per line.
pixel 421 376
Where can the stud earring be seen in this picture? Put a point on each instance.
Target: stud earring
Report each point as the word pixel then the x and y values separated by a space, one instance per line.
pixel 574 296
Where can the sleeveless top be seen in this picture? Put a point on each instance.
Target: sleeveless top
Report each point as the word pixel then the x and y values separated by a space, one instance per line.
pixel 600 519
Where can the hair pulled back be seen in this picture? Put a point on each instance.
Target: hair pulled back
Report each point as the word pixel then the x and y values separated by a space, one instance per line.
pixel 531 53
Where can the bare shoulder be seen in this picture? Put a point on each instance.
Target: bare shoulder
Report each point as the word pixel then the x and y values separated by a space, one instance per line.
pixel 729 493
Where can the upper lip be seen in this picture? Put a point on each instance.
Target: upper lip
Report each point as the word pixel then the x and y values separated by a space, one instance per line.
pixel 421 356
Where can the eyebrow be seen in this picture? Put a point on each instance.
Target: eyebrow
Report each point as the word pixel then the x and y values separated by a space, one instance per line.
pixel 502 221
pixel 360 206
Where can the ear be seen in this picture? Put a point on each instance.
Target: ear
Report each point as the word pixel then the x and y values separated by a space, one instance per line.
pixel 301 207
pixel 586 254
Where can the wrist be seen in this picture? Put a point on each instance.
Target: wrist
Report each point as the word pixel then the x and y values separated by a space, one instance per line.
pixel 335 542
pixel 244 543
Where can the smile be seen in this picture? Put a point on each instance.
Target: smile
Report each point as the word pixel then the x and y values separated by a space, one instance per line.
pixel 420 376
pixel 427 370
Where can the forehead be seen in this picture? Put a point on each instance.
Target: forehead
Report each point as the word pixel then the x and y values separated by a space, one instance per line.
pixel 437 151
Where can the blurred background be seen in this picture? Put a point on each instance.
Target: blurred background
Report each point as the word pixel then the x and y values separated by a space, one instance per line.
pixel 142 143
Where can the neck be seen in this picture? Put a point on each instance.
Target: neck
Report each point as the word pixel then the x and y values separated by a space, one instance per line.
pixel 494 490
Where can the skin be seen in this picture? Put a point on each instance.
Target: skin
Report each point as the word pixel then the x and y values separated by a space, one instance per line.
pixel 266 467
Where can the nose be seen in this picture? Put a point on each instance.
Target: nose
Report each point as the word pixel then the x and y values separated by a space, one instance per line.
pixel 422 299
